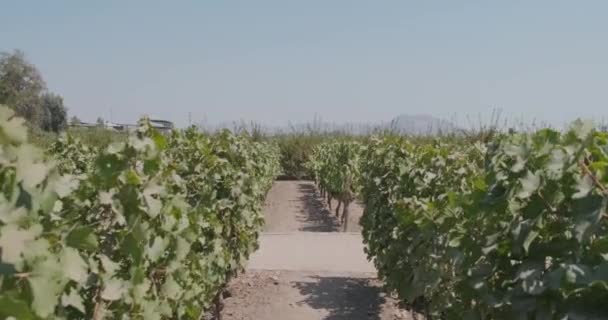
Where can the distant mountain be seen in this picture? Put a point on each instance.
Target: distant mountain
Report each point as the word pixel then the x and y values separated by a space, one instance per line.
pixel 420 124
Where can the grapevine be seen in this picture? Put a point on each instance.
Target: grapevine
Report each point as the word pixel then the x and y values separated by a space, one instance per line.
pixel 514 229
pixel 335 167
pixel 150 228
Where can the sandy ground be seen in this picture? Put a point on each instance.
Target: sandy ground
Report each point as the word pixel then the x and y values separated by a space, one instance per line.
pixel 305 269
pixel 311 251
pixel 278 295
pixel 296 206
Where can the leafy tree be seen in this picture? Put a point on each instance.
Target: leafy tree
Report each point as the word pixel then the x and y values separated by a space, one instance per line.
pixel 23 89
pixel 20 85
pixel 55 114
pixel 75 120
pixel 100 122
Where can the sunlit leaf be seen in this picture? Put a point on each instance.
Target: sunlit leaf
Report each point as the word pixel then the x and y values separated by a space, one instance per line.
pixel 73 300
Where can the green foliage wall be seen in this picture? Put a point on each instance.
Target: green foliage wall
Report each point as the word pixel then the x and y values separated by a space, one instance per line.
pixel 516 229
pixel 148 228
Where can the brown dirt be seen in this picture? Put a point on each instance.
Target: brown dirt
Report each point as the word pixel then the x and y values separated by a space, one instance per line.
pixel 296 275
pixel 312 251
pixel 278 295
pixel 297 206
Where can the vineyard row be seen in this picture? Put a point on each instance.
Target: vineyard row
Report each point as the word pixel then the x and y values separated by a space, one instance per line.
pixel 510 228
pixel 149 228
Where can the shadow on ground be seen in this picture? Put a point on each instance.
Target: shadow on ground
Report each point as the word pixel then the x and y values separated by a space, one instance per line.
pixel 315 216
pixel 343 298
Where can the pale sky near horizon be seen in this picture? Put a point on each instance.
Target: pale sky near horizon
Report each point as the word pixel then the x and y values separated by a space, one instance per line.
pixel 345 60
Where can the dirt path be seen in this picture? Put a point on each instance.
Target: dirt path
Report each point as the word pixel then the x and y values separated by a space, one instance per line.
pixel 288 295
pixel 304 269
pixel 296 206
pixel 308 251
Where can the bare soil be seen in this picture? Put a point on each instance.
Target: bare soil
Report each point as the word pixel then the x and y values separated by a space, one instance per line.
pixel 312 251
pixel 305 269
pixel 297 206
pixel 278 295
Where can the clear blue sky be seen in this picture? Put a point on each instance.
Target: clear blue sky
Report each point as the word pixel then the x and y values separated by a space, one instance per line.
pixel 346 60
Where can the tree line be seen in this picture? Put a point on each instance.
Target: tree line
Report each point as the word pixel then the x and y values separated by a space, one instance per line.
pixel 23 89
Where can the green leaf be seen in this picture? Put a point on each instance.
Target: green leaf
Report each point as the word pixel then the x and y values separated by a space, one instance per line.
pixel 589 213
pixel 529 184
pixel 10 215
pixel 151 311
pixel 106 197
pixel 556 163
pixel 12 129
pixel 157 249
pixel 36 250
pixel 529 238
pixel 159 140
pixel 57 207
pixel 110 267
pixel 14 241
pixel 577 274
pixel 113 290
pixel 519 165
pixel 582 129
pixel 530 274
pixel 132 178
pixel 584 185
pixel 46 289
pixel 83 238
pixel 65 185
pixel 182 248
pixel 152 197
pixel 115 147
pixel 455 242
pixel 74 300
pixel 133 248
pixel 171 288
pixel 142 144
pixel 555 277
pixel 74 266
pixel 30 171
pixel 140 290
pixel 12 306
